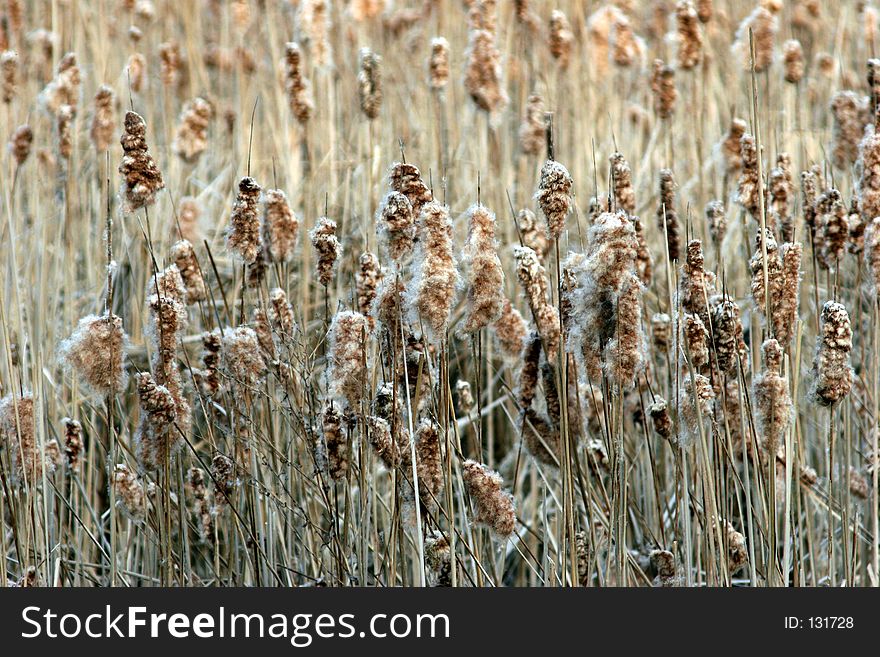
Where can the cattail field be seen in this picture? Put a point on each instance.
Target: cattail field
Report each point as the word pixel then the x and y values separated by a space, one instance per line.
pixel 471 293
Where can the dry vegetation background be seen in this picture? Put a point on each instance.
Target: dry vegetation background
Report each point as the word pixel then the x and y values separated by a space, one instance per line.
pixel 276 326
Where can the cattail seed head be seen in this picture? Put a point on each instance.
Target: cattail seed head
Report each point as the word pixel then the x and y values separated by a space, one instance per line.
pixel 367 280
pixel 327 249
pixel 661 330
pixel 347 375
pixel 764 25
pixel 73 443
pixel 20 144
pixel 690 35
pixel 533 235
pixel 396 227
pixel 103 119
pixel 386 443
pixel 833 374
pixel 431 291
pixel 696 340
pixel 8 75
pixel 136 72
pixel 336 441
pixel 727 335
pixel 429 465
pixel 495 506
pixel 18 432
pixel 63 89
pixel 191 137
pixel 695 405
pixel 772 398
pixel 663 89
pixel 187 226
pixel 438 64
pixel 625 352
pixel 243 235
pixel 621 174
pixel 485 284
pixel 406 179
pixel 868 175
pixel 141 176
pixel 198 491
pixel 511 329
pixel 370 83
pixel 749 185
pixel 129 492
pixel 659 413
pixel 848 110
pixel 717 220
pixel 280 227
pixel 781 188
pixel 554 196
pixel 561 38
pixel 793 61
pixel 297 86
pixel 872 253
pixel 834 223
pixel 95 352
pixel 728 152
pixel 438 557
pixel 533 128
pixel 533 278
pixel 156 436
pixel 209 376
pixel 184 256
pixel 483 71
pixel 667 216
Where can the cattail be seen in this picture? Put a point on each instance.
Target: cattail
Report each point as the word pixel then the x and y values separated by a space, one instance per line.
pixel 533 129
pixel 385 442
pixel 660 417
pixel 771 288
pixel 663 562
pixel 73 443
pixel 771 398
pixel 809 196
pixel 438 557
pixel 260 323
pixel 727 335
pixel 561 38
pixel 136 71
pixel 793 61
pixel 347 374
pixel 438 64
pixel 18 429
pixel 431 292
pixel 872 252
pixel 195 479
pixel 695 405
pixel 429 465
pixel 209 376
pixel 539 436
pixel 781 188
pixel 533 278
pixel 20 144
pixel 64 123
pixel 370 83
pixel 834 224
pixel 833 375
pixel 737 553
pixel 485 284
pixel 621 176
pixel 728 152
pixel 495 506
pixel 367 280
pixel 704 10
pixel 868 175
pixel 715 217
pixel 336 441
pixel 663 89
pixel 785 308
pixel 395 226
pixel 281 313
pixel 226 481
pixel 103 119
pixel 243 235
pixel 511 330
pixel 667 216
pixel 280 228
pixel 406 179
pixel 129 492
pixel 625 353
pixel 528 373
pixel 327 249
pixel 297 86
pixel 172 67
pixel 8 75
pixel 627 49
pixel 95 352
pixel 63 89
pixel 465 398
pixel 696 285
pixel 241 359
pixel 748 188
pixel 856 229
pixel 533 235
pixel 696 340
pixel 690 35
pixel 661 330
pixel 187 225
pixel 848 109
pixel 858 484
pixel 764 25
pixel 483 72
pixel 141 176
pixel 554 196
pixel 191 137
pixel 644 259
pixel 313 19
pixel 156 437
pixel 184 257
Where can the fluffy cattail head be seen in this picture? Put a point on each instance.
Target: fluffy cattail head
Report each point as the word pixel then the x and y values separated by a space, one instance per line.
pixel 280 227
pixel 298 87
pixel 20 143
pixel 485 285
pixel 495 506
pixel 621 175
pixel 367 280
pixel 533 129
pixel 18 431
pixel 191 137
pixel 793 61
pixel 438 64
pixel 833 374
pixel 406 179
pixel 695 406
pixel 73 442
pixel 663 89
pixel 129 492
pixel 533 278
pixel 396 227
pixel 347 375
pixel 336 441
pixel 8 75
pixel 690 35
pixel 370 83
pixel 554 196
pixel 848 110
pixel 327 249
pixel 667 216
pixel 561 38
pixel 510 328
pixel 772 398
pixel 142 178
pixel 95 352
pixel 764 25
pixel 243 237
pixel 241 358
pixel 103 119
pixel 483 71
